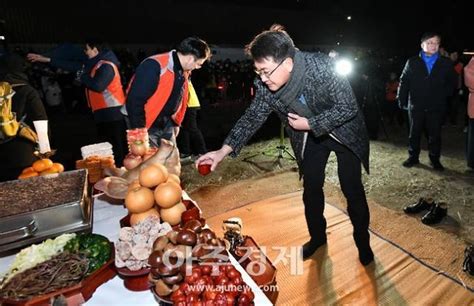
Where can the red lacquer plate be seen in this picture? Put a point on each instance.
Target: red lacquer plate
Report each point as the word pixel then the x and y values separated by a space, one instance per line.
pixel 76 294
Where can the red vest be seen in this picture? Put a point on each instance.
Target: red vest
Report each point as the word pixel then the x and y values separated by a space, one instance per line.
pixel 157 101
pixel 112 96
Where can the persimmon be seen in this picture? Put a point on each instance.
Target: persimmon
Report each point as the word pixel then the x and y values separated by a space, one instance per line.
pixel 28 170
pixel 28 174
pixel 58 167
pixel 42 164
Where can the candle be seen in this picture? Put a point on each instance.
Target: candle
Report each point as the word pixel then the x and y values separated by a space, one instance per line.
pixel 41 127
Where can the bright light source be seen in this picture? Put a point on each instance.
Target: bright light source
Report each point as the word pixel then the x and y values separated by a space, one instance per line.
pixel 343 67
pixel 349 17
pixel 2 37
pixel 468 53
pixel 338 43
pixel 333 54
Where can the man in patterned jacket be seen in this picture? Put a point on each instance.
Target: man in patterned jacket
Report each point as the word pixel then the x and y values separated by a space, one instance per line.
pixel 321 116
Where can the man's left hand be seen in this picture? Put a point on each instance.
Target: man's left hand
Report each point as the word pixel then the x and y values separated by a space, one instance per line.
pixel 298 123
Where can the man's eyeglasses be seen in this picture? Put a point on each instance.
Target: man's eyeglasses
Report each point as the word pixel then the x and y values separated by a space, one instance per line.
pixel 261 73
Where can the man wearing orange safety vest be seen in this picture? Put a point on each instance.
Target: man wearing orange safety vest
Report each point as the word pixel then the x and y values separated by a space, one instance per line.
pixel 105 97
pixel 158 93
pixel 103 89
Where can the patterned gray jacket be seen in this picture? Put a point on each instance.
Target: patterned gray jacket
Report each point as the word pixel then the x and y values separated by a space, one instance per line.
pixel 329 97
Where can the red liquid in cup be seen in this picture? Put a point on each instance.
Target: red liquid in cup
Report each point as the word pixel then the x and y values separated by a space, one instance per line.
pixel 204 169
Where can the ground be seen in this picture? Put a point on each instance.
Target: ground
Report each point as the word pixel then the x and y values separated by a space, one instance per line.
pixel 389 184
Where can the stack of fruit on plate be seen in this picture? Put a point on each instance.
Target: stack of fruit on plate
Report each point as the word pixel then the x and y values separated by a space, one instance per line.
pixel 191 265
pixel 156 192
pixel 41 167
pixel 138 147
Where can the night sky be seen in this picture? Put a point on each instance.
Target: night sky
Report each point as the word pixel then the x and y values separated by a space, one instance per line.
pixel 373 24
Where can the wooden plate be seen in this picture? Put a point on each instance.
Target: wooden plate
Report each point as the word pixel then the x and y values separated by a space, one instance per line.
pixel 266 280
pixel 135 280
pixel 76 294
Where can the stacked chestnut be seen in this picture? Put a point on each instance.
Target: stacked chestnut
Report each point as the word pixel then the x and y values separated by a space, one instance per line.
pixel 186 263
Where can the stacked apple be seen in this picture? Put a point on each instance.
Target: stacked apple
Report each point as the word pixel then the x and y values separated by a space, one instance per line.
pixel 156 192
pixel 138 147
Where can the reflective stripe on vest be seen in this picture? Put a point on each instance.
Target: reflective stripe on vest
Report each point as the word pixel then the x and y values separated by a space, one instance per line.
pixel 157 101
pixel 112 96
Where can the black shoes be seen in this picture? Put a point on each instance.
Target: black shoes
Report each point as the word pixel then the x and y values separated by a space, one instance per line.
pixel 366 257
pixel 437 165
pixel 310 247
pixel 422 204
pixel 468 263
pixel 410 162
pixel 437 212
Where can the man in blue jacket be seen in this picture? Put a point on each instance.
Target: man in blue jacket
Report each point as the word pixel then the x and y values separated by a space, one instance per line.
pixel 425 84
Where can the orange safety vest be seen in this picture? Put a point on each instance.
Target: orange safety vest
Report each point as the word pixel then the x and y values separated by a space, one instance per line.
pixel 157 101
pixel 112 96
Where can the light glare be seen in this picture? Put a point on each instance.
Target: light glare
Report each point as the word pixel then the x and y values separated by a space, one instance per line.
pixel 343 67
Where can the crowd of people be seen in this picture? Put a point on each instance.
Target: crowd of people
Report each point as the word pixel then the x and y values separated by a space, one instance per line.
pixel 375 82
pixel 322 111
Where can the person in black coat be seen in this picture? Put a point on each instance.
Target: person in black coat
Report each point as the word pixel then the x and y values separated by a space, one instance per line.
pixel 17 153
pixel 369 93
pixel 425 85
pixel 321 116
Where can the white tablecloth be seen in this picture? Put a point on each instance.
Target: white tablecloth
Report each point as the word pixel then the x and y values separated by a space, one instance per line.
pixel 106 222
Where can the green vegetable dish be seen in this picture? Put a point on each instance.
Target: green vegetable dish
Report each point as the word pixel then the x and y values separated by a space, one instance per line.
pixel 96 247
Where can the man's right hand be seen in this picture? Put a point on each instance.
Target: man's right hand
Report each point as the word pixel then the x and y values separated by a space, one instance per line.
pixel 34 57
pixel 214 157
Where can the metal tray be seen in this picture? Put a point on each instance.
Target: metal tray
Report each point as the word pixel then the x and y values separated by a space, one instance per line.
pixel 35 226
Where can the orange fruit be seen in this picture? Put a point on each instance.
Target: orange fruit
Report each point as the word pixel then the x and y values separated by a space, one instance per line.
pixel 58 167
pixel 28 174
pixel 42 164
pixel 28 170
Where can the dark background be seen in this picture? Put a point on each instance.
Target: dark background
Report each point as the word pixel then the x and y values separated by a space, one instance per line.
pixel 374 24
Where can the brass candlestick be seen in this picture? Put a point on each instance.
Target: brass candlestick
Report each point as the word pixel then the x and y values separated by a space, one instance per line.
pixel 45 154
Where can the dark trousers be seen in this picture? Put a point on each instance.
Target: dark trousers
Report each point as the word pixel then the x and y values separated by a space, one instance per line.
pixel 470 144
pixel 349 171
pixel 190 135
pixel 114 133
pixel 453 109
pixel 430 123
